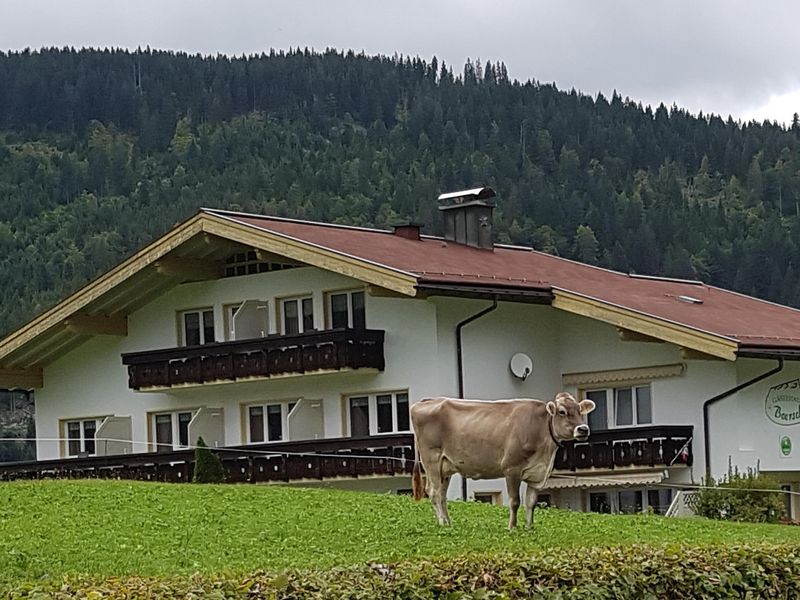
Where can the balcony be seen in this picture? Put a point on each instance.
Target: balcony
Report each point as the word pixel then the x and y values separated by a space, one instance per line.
pixel 306 460
pixel 642 447
pixel 274 355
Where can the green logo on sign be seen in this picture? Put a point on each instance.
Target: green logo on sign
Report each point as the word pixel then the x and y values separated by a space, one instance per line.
pixel 786 445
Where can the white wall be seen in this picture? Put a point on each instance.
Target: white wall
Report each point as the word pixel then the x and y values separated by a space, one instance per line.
pixel 420 357
pixel 740 429
pixel 92 382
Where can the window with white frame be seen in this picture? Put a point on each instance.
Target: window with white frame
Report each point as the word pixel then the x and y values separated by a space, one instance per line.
pixel 197 326
pixel 80 436
pixel 376 414
pixel 171 430
pixel 268 422
pixel 297 315
pixel 346 309
pixel 625 406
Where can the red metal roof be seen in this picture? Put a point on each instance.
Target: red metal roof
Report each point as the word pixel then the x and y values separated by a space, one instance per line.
pixel 747 320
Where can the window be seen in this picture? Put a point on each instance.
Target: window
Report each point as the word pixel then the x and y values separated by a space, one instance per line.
pixel 81 437
pixel 268 422
pixel 620 407
pixel 488 497
pixel 346 309
pixel 599 502
pixel 171 430
pixel 378 414
pixel 297 315
pixel 197 326
pixel 630 501
pixel 247 263
pixel 659 500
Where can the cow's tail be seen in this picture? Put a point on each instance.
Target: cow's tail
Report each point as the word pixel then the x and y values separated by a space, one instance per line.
pixel 417 489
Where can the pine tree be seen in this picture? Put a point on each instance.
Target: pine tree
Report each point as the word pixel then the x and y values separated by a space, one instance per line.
pixel 207 465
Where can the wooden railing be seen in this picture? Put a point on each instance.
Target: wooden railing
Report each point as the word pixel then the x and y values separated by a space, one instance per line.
pixel 333 349
pixel 292 461
pixel 649 446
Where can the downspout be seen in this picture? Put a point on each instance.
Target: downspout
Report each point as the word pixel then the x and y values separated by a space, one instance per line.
pixel 707 404
pixel 460 360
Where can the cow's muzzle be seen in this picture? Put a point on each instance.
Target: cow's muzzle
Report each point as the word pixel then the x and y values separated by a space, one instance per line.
pixel 581 433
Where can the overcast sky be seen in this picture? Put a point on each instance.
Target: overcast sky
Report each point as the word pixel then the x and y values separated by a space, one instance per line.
pixel 722 56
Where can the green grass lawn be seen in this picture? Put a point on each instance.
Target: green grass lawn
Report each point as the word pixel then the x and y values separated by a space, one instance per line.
pixel 106 528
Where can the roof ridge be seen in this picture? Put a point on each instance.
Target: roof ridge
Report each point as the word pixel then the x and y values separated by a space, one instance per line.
pixel 219 211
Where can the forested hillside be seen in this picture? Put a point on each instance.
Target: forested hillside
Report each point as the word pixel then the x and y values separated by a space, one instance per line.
pixel 101 151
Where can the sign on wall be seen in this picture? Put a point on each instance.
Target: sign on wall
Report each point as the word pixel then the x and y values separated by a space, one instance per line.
pixel 783 403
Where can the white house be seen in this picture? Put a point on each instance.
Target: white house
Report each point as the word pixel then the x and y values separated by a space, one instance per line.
pixel 253 330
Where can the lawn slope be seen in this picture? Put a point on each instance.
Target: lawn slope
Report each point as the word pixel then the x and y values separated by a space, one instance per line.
pixel 117 528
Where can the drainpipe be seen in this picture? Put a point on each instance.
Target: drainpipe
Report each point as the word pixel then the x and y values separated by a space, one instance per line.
pixel 707 404
pixel 460 359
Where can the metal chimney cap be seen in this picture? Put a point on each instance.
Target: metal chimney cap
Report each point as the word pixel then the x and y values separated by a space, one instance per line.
pixel 481 193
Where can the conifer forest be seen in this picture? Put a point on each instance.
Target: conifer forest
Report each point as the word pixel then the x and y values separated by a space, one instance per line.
pixel 101 151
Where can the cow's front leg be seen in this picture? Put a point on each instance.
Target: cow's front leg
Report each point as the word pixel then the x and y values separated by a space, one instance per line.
pixel 531 495
pixel 512 487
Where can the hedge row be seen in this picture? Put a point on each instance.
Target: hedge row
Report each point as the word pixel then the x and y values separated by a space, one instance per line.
pixel 637 572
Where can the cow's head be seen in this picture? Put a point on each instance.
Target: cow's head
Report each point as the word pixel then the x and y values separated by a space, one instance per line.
pixel 569 417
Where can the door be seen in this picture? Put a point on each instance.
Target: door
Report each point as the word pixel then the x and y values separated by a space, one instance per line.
pixel 305 420
pixel 250 320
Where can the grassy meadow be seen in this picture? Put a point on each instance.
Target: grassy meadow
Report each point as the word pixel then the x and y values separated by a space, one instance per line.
pixel 50 529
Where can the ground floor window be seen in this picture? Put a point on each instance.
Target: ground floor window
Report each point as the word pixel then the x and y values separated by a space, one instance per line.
pixel 375 414
pixel 488 497
pixel 80 436
pixel 171 430
pixel 629 501
pixel 268 422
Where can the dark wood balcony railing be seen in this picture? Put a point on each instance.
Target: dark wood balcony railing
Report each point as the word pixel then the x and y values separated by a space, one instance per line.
pixel 292 461
pixel 649 446
pixel 333 349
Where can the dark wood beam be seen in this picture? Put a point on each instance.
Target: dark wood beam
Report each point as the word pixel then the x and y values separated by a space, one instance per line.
pixel 30 378
pixel 189 269
pixel 626 335
pixel 691 354
pixel 98 324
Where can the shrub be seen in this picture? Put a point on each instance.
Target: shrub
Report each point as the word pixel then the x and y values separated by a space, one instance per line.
pixel 742 502
pixel 207 466
pixel 675 572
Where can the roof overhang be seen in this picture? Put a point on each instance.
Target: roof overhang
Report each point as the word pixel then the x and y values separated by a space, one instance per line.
pixel 311 254
pixel 648 325
pixel 768 352
pixel 557 481
pixel 180 255
pixel 426 289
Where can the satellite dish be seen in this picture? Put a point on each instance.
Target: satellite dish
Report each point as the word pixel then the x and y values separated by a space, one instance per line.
pixel 521 365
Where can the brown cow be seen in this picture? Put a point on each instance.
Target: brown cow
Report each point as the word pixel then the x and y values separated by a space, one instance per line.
pixel 480 439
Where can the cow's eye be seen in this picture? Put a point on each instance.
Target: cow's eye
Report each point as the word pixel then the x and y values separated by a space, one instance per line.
pixel 562 412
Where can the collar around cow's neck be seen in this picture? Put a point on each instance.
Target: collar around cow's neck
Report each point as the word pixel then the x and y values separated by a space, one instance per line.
pixel 558 442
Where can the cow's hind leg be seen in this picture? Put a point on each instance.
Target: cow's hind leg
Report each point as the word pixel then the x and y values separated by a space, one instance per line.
pixel 437 491
pixel 445 487
pixel 531 495
pixel 512 487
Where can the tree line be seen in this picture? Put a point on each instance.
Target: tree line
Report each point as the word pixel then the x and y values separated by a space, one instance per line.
pixel 103 150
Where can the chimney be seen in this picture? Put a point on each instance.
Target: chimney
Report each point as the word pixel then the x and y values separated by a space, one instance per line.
pixel 468 217
pixel 410 231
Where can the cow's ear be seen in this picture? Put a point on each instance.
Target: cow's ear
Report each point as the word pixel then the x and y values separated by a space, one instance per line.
pixel 551 408
pixel 587 406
